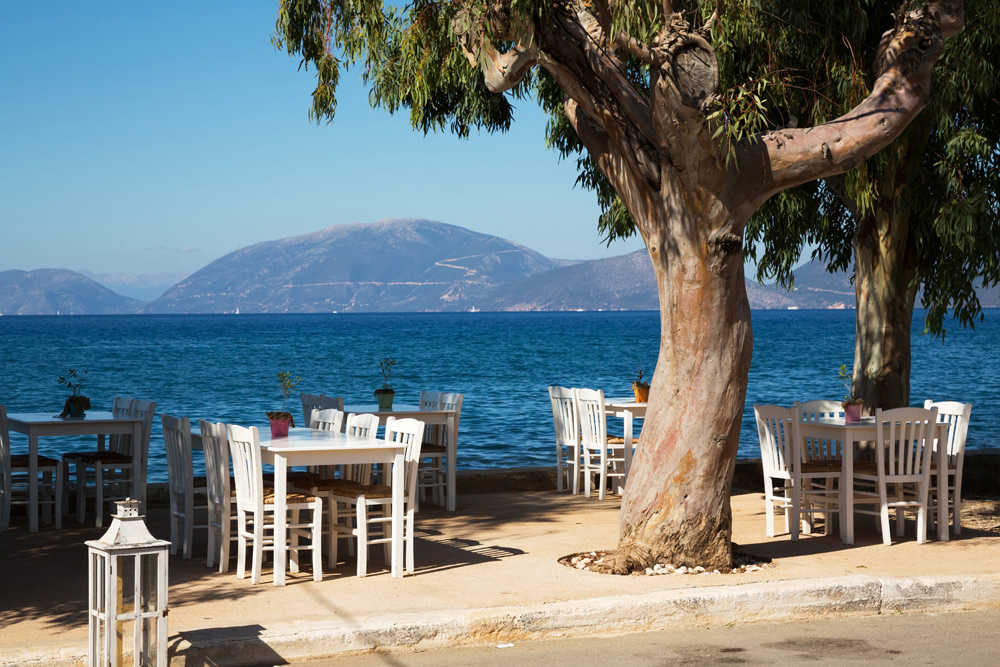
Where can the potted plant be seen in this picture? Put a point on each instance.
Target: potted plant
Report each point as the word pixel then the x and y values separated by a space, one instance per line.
pixel 76 405
pixel 281 420
pixel 384 395
pixel 641 389
pixel 852 406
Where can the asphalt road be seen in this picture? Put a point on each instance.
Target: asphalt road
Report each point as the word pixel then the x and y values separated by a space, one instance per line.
pixel 968 639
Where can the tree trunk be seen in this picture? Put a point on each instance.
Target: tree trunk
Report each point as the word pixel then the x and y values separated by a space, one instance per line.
pixel 885 262
pixel 676 505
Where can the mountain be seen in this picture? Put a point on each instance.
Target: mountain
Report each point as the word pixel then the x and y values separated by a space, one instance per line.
pixel 144 287
pixel 58 292
pixel 391 265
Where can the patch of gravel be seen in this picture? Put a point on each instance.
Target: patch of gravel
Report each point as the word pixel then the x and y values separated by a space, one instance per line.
pixel 981 513
pixel 592 561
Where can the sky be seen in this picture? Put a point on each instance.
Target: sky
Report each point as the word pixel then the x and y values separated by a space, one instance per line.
pixel 156 137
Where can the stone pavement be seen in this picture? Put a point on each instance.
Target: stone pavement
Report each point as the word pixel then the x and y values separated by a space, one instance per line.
pixel 488 573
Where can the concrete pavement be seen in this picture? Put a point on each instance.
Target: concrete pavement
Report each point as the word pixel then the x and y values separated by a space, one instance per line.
pixel 488 573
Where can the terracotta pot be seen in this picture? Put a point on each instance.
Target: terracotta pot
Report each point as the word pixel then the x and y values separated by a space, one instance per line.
pixel 641 392
pixel 279 428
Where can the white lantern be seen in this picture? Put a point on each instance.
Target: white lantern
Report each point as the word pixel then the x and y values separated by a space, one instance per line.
pixel 128 584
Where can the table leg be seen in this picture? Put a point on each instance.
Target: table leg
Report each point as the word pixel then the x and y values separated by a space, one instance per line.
pixel 396 546
pixel 139 470
pixel 450 457
pixel 847 493
pixel 32 481
pixel 280 514
pixel 942 480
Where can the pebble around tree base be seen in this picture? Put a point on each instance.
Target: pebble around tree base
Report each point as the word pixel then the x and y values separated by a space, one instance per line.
pixel 592 562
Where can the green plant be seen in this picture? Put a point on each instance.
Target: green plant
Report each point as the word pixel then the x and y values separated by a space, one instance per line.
pixel 287 384
pixel 386 367
pixel 73 380
pixel 847 380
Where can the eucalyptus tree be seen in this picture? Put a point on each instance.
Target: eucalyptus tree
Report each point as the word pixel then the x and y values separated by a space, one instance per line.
pixel 635 86
pixel 922 213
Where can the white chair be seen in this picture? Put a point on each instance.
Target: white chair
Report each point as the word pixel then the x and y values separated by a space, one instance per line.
pixel 312 402
pixel 600 457
pixel 353 477
pixel 567 425
pixel 255 510
pixel 114 472
pixel 183 485
pixel 433 475
pixel 956 415
pixel 794 486
pixel 373 502
pixel 327 419
pixel 899 476
pixel 220 489
pixel 15 476
pixel 122 407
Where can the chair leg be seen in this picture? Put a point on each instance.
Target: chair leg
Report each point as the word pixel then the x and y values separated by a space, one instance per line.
pixel 794 519
pixel 99 495
pixel 241 556
pixel 293 538
pixel 225 538
pixel 81 497
pixel 173 523
pixel 188 525
pixel 57 490
pixel 213 515
pixel 362 530
pixel 258 548
pixel 956 505
pixel 884 513
pixel 317 540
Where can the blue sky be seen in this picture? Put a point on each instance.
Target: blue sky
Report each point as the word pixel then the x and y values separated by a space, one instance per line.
pixel 143 137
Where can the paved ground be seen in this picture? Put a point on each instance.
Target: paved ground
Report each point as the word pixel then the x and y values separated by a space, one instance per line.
pixel 487 574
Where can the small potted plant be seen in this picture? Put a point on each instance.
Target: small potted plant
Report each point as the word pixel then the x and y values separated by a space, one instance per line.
pixel 385 393
pixel 281 420
pixel 852 406
pixel 76 405
pixel 640 388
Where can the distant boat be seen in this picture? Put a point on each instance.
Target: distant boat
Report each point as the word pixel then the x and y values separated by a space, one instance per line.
pixel 793 308
pixel 473 310
pixel 237 312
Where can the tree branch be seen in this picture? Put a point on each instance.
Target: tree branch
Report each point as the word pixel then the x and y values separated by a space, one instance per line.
pixel 501 71
pixel 789 157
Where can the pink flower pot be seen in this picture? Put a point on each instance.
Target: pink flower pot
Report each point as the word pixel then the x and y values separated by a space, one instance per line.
pixel 279 428
pixel 852 413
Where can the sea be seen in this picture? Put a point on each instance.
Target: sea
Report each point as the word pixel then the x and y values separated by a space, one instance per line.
pixel 224 367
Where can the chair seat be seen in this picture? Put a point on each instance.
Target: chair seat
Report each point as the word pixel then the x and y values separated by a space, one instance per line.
pixel 290 497
pixel 831 465
pixel 74 456
pixel 368 491
pixel 23 461
pixel 866 467
pixel 335 485
pixel 433 449
pixel 105 457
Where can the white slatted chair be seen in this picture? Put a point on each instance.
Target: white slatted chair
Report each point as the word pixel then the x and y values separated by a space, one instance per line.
pixel 819 451
pixel 255 510
pixel 372 503
pixel 325 419
pixel 14 477
pixel 114 472
pixel 899 476
pixel 354 476
pixel 121 407
pixel 220 490
pixel 312 402
pixel 956 415
pixel 433 475
pixel 792 485
pixel 567 426
pixel 600 457
pixel 188 494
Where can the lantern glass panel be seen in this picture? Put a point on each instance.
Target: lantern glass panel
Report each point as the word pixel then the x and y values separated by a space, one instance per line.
pixel 148 585
pixel 126 584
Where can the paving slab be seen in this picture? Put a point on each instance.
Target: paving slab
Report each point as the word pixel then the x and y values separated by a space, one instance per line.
pixel 489 572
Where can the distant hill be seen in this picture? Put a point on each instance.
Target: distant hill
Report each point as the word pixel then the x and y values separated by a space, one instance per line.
pixel 392 265
pixel 145 287
pixel 58 291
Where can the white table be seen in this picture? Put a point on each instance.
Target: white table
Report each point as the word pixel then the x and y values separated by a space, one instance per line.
pixel 628 410
pixel 446 417
pixel 40 424
pixel 309 447
pixel 862 431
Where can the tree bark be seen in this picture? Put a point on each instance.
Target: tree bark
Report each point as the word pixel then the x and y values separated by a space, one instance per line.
pixel 885 261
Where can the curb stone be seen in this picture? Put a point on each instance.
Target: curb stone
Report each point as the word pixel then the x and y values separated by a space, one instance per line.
pixel 856 595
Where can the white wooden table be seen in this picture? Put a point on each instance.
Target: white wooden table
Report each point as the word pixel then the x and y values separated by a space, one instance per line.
pixel 41 424
pixel 446 417
pixel 862 431
pixel 628 410
pixel 309 447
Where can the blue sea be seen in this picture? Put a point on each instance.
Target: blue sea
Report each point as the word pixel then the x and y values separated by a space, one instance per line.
pixel 223 367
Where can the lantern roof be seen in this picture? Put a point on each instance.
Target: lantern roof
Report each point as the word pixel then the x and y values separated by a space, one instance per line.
pixel 127 530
